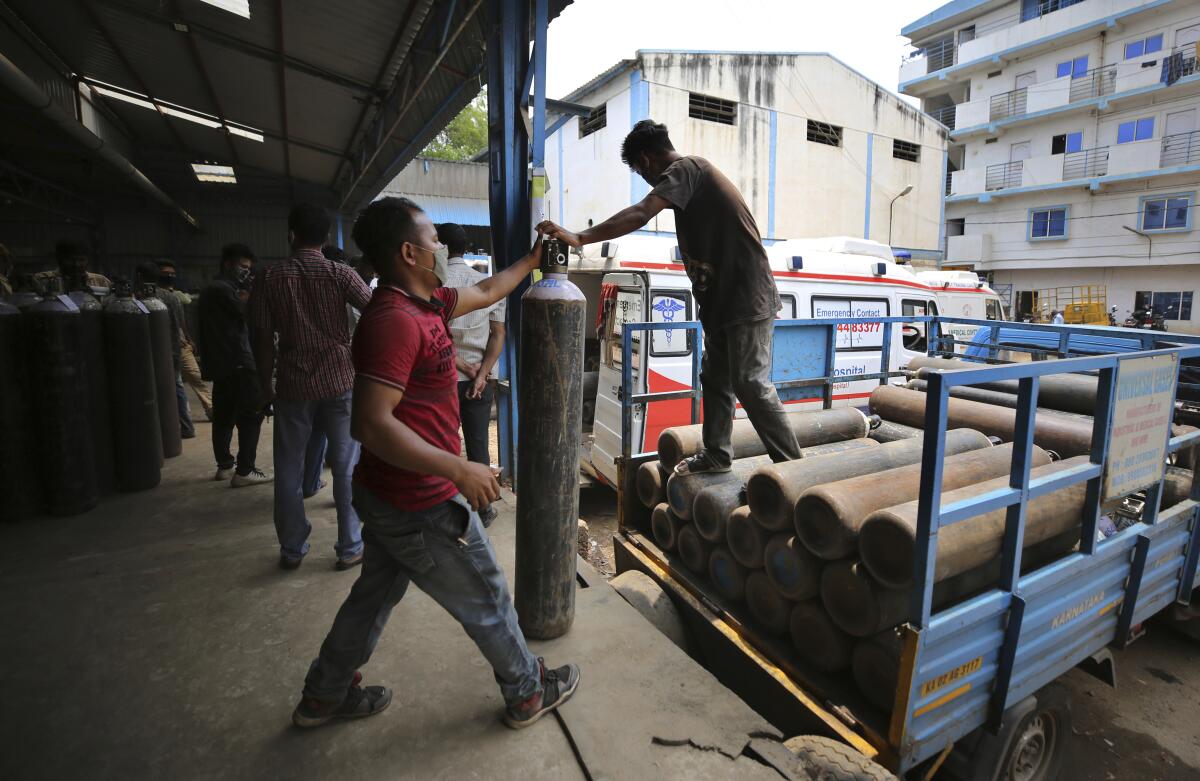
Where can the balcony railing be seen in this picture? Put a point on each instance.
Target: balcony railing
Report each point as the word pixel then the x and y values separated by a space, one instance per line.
pixel 1030 11
pixel 1180 149
pixel 949 179
pixel 1008 104
pixel 1085 163
pixel 945 115
pixel 1004 175
pixel 940 55
pixel 1180 63
pixel 1096 83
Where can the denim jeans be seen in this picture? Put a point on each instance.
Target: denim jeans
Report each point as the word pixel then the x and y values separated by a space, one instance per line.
pixel 294 423
pixel 186 427
pixel 314 461
pixel 737 362
pixel 447 554
pixel 476 416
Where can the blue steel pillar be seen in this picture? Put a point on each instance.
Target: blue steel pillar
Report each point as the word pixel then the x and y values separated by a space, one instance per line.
pixel 510 70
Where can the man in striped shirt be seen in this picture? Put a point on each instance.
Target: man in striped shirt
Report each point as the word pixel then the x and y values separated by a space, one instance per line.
pixel 303 300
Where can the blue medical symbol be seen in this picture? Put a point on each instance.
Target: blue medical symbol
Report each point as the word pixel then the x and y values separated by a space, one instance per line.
pixel 668 308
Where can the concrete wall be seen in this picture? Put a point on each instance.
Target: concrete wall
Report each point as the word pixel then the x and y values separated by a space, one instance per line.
pixel 818 190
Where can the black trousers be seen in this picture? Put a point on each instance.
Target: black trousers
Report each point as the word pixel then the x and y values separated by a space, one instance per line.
pixel 476 414
pixel 237 402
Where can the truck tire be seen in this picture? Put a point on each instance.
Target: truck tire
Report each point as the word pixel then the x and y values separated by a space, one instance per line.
pixel 649 599
pixel 1033 744
pixel 826 759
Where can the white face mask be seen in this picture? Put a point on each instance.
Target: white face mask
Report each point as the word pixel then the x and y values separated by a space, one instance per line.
pixel 441 259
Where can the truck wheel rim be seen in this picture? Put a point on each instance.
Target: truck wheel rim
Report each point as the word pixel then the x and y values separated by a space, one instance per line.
pixel 1031 756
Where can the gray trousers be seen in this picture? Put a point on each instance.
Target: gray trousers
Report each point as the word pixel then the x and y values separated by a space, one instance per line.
pixel 447 554
pixel 737 362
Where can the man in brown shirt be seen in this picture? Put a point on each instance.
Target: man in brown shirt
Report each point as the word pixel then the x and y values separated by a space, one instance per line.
pixel 731 281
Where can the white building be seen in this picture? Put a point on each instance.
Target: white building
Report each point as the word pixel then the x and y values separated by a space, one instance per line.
pixel 1075 144
pixel 816 148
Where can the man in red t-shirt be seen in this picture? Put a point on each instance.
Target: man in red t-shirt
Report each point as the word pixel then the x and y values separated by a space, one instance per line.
pixel 417 498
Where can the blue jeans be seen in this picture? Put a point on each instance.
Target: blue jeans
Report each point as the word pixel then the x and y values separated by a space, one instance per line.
pixel 314 461
pixel 294 423
pixel 186 428
pixel 447 554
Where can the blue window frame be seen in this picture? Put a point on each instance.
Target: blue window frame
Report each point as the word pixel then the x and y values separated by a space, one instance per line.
pixel 1143 46
pixel 1075 68
pixel 1167 212
pixel 1048 222
pixel 1135 130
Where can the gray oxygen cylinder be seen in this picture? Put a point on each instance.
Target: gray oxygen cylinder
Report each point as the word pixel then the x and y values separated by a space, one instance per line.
pixel 20 483
pixel 96 374
pixel 164 372
pixel 60 402
pixel 550 399
pixel 133 402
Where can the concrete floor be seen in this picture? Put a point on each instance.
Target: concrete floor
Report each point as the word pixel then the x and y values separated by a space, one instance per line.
pixel 154 637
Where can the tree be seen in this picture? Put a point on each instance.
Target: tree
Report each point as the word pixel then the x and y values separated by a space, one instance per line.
pixel 465 136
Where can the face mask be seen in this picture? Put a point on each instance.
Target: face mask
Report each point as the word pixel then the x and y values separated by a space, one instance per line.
pixel 441 257
pixel 241 275
pixel 167 280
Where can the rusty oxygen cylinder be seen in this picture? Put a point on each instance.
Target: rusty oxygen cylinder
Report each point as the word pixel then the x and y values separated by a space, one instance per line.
pixel 550 400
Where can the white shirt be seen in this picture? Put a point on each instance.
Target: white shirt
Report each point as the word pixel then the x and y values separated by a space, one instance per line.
pixel 470 331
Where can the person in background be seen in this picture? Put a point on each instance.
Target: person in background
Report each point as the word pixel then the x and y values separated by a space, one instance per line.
pixel 72 258
pixel 1056 317
pixel 148 274
pixel 731 281
pixel 303 299
pixel 190 370
pixel 418 497
pixel 6 267
pixel 227 360
pixel 478 341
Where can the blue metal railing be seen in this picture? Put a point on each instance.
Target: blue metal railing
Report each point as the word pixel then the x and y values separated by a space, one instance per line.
pixel 932 515
pixel 630 399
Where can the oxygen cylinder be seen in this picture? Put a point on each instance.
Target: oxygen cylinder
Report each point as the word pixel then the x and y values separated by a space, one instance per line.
pixel 60 404
pixel 133 401
pixel 96 374
pixel 164 371
pixel 550 395
pixel 20 493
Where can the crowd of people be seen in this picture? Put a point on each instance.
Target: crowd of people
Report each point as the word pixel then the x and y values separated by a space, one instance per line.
pixel 377 376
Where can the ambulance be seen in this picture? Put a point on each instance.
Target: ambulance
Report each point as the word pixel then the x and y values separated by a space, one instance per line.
pixel 641 278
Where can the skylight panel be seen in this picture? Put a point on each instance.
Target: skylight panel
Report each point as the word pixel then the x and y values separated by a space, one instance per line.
pixel 172 109
pixel 239 7
pixel 212 172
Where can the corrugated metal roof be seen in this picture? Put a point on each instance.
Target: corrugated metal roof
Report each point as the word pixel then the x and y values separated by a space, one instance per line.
pixel 334 65
pixel 444 208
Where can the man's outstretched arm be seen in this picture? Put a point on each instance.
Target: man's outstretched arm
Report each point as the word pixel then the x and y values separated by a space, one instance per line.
pixel 625 221
pixel 499 285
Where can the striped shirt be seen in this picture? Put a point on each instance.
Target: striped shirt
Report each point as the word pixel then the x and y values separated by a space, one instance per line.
pixel 303 299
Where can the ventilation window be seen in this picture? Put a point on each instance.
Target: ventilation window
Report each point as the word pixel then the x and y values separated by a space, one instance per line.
pixel 822 133
pixel 904 150
pixel 211 172
pixel 994 74
pixel 990 140
pixel 594 121
pixel 712 109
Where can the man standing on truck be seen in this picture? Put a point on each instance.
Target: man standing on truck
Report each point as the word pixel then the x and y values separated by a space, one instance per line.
pixel 731 281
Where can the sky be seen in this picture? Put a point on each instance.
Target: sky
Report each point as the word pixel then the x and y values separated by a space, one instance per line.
pixel 592 35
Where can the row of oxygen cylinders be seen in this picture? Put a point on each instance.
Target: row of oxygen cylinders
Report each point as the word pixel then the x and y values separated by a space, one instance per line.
pixel 87 399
